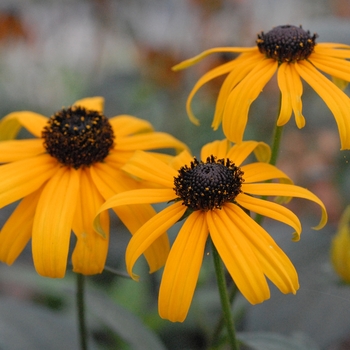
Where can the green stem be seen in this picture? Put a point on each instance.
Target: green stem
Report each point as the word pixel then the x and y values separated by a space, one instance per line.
pixel 276 142
pixel 81 311
pixel 225 300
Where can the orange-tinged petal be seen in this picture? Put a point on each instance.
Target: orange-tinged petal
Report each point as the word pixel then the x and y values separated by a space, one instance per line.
pixel 17 230
pixel 274 262
pixel 147 167
pixel 235 114
pixel 125 125
pixel 18 179
pixel 53 223
pixel 217 148
pixel 181 159
pixel 90 252
pixel 336 100
pixel 13 150
pixel 148 141
pixel 13 122
pixel 286 190
pixel 149 232
pixel 240 152
pixel 91 103
pixel 182 268
pixel 254 172
pixel 238 256
pixel 272 210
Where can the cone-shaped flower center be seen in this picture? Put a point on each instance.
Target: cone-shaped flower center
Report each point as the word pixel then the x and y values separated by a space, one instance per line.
pixel 286 43
pixel 207 186
pixel 78 137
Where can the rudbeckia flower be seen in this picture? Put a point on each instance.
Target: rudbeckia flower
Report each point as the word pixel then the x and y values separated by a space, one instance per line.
pixel 294 54
pixel 63 175
pixel 340 248
pixel 214 196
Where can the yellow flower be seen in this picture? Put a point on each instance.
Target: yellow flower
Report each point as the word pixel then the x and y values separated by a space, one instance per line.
pixel 340 248
pixel 63 176
pixel 214 196
pixel 294 54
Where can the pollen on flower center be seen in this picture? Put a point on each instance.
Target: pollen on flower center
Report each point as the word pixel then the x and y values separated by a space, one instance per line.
pixel 78 137
pixel 286 43
pixel 207 186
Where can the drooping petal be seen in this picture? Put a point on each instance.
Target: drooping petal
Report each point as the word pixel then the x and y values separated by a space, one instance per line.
pixel 235 114
pixel 12 123
pixel 182 268
pixel 91 103
pixel 149 232
pixel 18 179
pixel 239 152
pixel 149 141
pixel 238 256
pixel 286 190
pixel 17 231
pixel 147 167
pixel 286 103
pixel 256 172
pixel 272 210
pixel 274 262
pixel 217 148
pixel 90 252
pixel 336 100
pixel 53 223
pixel 13 150
pixel 125 125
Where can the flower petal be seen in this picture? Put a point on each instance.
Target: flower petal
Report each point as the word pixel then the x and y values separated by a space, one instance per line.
pixel 240 152
pixel 125 125
pixel 238 256
pixel 332 50
pixel 11 151
pixel 217 148
pixel 254 172
pixel 12 123
pixel 17 230
pixel 18 179
pixel 91 103
pixel 149 232
pixel 237 106
pixel 90 252
pixel 272 210
pixel 286 190
pixel 274 262
pixel 182 268
pixel 53 223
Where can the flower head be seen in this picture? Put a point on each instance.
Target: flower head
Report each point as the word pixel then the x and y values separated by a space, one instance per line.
pixel 293 53
pixel 63 175
pixel 340 248
pixel 214 196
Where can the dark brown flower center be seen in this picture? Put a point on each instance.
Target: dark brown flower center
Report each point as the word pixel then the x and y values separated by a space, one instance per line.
pixel 78 137
pixel 207 186
pixel 286 43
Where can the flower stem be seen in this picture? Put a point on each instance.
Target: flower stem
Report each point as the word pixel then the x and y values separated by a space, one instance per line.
pixel 81 311
pixel 225 300
pixel 276 142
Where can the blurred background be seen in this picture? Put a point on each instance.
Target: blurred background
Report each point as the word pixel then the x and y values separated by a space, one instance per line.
pixel 55 52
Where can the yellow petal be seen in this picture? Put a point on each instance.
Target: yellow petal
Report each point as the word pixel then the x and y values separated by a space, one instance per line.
pixel 237 254
pixel 90 252
pixel 254 172
pixel 91 103
pixel 11 151
pixel 191 61
pixel 336 100
pixel 53 223
pixel 286 190
pixel 235 115
pixel 149 141
pixel 272 210
pixel 181 159
pixel 125 125
pixel 12 123
pixel 182 268
pixel 18 179
pixel 274 262
pixel 332 50
pixel 239 152
pixel 217 148
pixel 286 103
pixel 17 230
pixel 151 231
